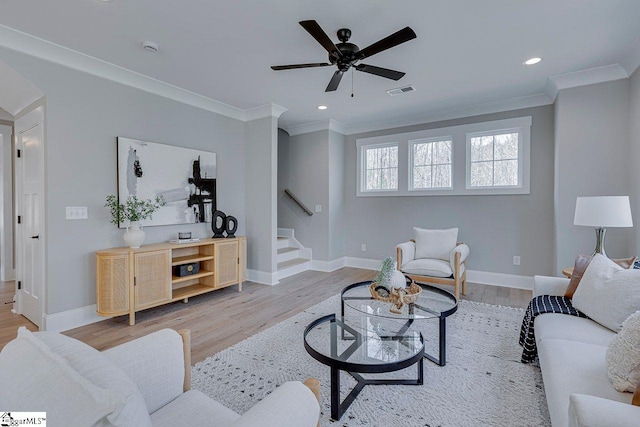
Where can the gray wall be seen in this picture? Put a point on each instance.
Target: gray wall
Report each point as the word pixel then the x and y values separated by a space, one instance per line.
pixel 495 227
pixel 592 151
pixel 634 158
pixel 6 203
pixel 84 116
pixel 337 224
pixel 306 161
pixel 260 192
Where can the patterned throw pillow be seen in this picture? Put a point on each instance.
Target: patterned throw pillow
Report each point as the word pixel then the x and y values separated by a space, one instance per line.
pixel 623 356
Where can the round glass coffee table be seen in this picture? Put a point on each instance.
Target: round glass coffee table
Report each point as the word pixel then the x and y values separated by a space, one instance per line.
pixel 432 303
pixel 367 346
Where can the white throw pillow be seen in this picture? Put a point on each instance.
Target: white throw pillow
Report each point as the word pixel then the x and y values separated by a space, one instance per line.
pixel 623 356
pixel 101 371
pixel 436 244
pixel 36 380
pixel 608 293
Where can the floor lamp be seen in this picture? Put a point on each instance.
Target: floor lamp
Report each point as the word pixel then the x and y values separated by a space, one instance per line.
pixel 602 212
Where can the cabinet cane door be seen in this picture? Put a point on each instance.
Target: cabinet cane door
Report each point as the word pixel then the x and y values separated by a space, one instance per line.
pixel 152 278
pixel 113 278
pixel 226 263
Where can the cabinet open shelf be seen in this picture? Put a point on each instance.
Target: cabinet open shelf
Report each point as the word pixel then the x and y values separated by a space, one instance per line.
pixel 190 291
pixel 202 273
pixel 190 258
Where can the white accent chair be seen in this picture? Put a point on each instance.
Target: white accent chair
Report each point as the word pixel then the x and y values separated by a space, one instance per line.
pixel 445 266
pixel 144 382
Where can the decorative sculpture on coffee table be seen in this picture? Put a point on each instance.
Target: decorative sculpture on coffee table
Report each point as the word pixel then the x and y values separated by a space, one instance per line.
pixel 390 285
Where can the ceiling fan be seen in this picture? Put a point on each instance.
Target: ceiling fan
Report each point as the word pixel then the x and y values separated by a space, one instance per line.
pixel 344 55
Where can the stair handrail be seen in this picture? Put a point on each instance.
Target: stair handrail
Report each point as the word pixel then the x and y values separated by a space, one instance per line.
pixel 298 202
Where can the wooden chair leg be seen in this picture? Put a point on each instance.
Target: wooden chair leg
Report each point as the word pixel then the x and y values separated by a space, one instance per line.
pixel 464 283
pixel 314 386
pixel 186 348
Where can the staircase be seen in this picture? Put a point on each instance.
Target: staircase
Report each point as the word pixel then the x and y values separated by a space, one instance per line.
pixel 293 258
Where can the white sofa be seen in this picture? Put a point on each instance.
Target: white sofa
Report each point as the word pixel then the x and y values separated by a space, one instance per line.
pixel 572 352
pixel 147 380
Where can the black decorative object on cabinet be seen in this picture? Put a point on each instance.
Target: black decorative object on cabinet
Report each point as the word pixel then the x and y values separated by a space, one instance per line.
pixel 218 230
pixel 231 231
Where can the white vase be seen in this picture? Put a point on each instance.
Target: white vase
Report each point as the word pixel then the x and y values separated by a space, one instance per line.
pixel 398 280
pixel 134 236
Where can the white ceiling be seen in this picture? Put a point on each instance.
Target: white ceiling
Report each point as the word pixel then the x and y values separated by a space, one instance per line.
pixel 468 52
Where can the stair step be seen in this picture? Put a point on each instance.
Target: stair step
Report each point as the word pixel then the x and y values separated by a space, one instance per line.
pixel 286 250
pixel 291 263
pixel 282 237
pixel 283 242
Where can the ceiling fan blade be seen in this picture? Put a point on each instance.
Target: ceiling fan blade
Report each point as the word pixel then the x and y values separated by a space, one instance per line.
pixel 294 66
pixel 399 37
pixel 335 81
pixel 379 71
pixel 321 37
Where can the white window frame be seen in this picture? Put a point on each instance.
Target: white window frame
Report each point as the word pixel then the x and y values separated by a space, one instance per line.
pixel 413 142
pixel 520 158
pixel 363 168
pixel 460 161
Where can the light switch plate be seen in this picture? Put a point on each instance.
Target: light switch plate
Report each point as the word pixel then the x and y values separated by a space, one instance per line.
pixel 318 208
pixel 77 212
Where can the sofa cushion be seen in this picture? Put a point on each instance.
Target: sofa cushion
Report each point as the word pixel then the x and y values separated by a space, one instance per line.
pixel 436 244
pixel 573 328
pixel 36 379
pixel 591 411
pixel 574 367
pixel 195 409
pixel 608 293
pixel 97 368
pixel 623 356
pixel 428 267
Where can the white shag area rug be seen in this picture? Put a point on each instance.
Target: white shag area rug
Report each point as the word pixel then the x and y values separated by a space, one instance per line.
pixel 483 383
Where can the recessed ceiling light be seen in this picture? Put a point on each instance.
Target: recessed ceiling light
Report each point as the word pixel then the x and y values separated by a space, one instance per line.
pixel 322 107
pixel 532 61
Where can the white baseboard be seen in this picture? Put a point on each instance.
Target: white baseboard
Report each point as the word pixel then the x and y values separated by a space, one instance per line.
pixel 328 266
pixel 500 279
pixel 70 319
pixel 474 276
pixel 367 264
pixel 8 275
pixel 262 277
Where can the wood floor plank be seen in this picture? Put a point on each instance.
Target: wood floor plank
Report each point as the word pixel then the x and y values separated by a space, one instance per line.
pixel 220 319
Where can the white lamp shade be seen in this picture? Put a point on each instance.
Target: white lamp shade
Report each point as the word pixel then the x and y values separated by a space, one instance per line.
pixel 603 211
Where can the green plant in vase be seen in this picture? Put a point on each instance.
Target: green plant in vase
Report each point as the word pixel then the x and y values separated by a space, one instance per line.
pixel 133 211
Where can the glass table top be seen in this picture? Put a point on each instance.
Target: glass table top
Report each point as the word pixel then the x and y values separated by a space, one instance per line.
pixel 431 303
pixel 364 344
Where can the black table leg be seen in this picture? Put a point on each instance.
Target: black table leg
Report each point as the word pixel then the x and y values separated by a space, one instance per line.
pixel 442 342
pixel 336 413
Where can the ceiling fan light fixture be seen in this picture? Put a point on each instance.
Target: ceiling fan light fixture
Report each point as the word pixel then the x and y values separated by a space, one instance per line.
pixel 532 61
pixel 322 107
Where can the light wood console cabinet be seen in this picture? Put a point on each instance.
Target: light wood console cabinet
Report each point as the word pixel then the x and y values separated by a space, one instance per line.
pixel 130 280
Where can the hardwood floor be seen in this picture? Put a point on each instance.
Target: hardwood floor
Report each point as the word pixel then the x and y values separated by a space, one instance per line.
pixel 222 318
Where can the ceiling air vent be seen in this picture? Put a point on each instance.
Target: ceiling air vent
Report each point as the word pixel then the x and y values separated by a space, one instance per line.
pixel 399 90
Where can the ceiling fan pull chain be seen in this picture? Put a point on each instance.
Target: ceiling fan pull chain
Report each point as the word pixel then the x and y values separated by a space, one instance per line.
pixel 352 82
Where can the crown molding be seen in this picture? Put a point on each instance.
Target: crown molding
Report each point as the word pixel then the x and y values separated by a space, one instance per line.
pixel 34 46
pixel 632 61
pixel 267 110
pixel 583 78
pixel 474 110
pixel 330 124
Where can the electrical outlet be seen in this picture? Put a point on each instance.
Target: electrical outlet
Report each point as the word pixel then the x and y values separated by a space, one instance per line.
pixel 318 208
pixel 516 260
pixel 76 212
pixel 363 247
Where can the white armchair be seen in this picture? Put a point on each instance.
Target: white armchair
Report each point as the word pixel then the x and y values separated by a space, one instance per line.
pixel 430 259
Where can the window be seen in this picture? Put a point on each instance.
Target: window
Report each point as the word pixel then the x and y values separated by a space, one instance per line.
pixel 431 164
pixel 484 158
pixel 381 168
pixel 494 159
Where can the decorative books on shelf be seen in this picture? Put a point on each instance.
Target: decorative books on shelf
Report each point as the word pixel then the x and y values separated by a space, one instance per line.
pixel 181 241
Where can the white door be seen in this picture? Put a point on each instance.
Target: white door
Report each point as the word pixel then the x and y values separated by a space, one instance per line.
pixel 30 211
